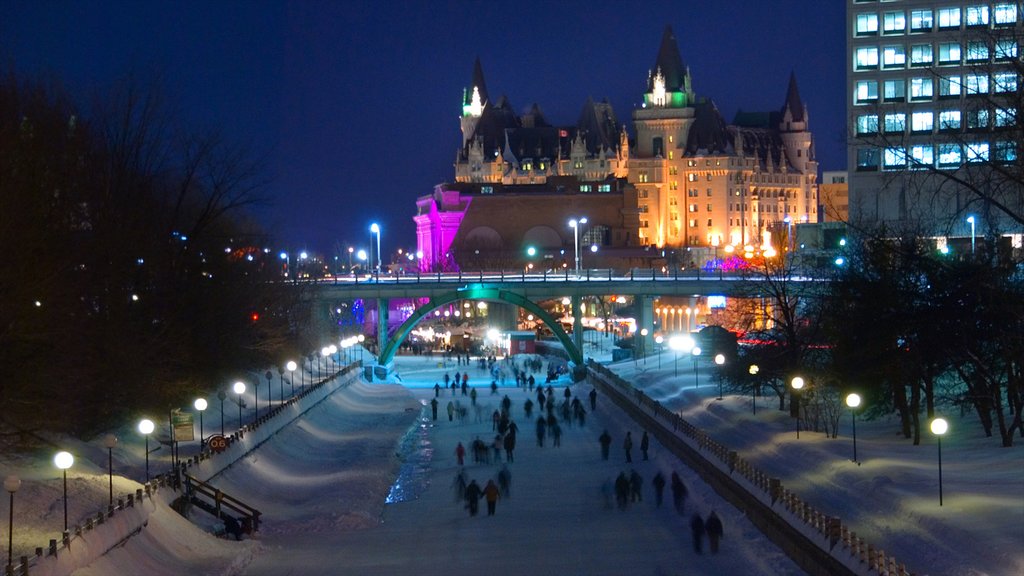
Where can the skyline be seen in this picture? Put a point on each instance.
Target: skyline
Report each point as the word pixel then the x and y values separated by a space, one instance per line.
pixel 355 106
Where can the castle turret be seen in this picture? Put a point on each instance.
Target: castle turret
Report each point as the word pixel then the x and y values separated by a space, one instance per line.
pixel 793 130
pixel 473 101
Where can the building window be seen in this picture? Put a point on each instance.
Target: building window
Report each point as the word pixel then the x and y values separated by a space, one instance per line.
pixel 895 122
pixel 691 208
pixel 949 87
pixel 894 157
pixel 487 190
pixel 922 156
pixel 895 90
pixel 584 187
pixel 867 24
pixel 709 207
pixel 642 194
pixel 894 57
pixel 709 192
pixel 977 152
pixel 977 51
pixel 604 188
pixel 949 53
pixel 920 20
pixel 1005 117
pixel 867 58
pixel 894 22
pixel 658 146
pixel 691 176
pixel 949 120
pixel 867 124
pixel 976 84
pixel 1004 82
pixel 977 119
pixel 921 55
pixel 976 15
pixel 867 159
pixel 920 89
pixel 949 18
pixel 950 155
pixel 1006 49
pixel 1005 13
pixel 710 223
pixel 1005 151
pixel 642 177
pixel 922 121
pixel 867 91
pixel 645 224
pixel 643 208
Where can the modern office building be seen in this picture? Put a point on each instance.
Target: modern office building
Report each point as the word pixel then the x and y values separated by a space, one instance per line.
pixel 685 186
pixel 934 93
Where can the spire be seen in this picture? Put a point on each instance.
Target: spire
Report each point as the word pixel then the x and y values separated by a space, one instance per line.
pixel 793 102
pixel 669 64
pixel 478 80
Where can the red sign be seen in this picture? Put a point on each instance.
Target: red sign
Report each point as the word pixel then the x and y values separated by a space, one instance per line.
pixel 217 443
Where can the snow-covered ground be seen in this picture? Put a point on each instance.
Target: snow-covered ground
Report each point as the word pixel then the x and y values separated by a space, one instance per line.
pixel 322 483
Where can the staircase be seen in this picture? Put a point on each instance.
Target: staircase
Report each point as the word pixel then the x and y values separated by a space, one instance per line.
pixel 238 516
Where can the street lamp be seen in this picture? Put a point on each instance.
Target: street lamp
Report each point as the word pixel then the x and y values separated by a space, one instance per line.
pixel 679 343
pixel 853 401
pixel 146 428
pixel 64 460
pixel 719 360
pixel 797 384
pixel 239 389
pixel 576 225
pixel 659 340
pixel 201 405
pixel 696 354
pixel 221 395
pixel 939 427
pixel 291 366
pixel 971 221
pixel 11 484
pixel 110 441
pixel 280 372
pixel 754 369
pixel 374 228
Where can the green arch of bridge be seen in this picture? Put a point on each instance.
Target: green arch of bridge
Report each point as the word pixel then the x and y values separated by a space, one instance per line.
pixel 478 293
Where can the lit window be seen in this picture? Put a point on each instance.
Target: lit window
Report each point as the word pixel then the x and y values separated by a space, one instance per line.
pixel 894 157
pixel 1004 151
pixel 921 55
pixel 920 20
pixel 867 91
pixel 949 53
pixel 976 84
pixel 894 22
pixel 1006 49
pixel 950 155
pixel 895 90
pixel 1005 13
pixel 950 87
pixel 922 156
pixel 1004 82
pixel 867 58
pixel 977 119
pixel 709 207
pixel 867 24
pixel 691 176
pixel 976 15
pixel 894 57
pixel 895 122
pixel 867 124
pixel 584 187
pixel 949 18
pixel 920 88
pixel 977 152
pixel 949 120
pixel 922 121
pixel 977 51
pixel 1005 117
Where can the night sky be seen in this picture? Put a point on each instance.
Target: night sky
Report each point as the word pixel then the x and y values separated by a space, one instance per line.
pixel 355 105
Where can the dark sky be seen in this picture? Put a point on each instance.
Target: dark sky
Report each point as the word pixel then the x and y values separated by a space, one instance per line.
pixel 355 105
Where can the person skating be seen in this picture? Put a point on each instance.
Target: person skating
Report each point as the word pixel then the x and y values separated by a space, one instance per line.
pixel 593 399
pixel 697 528
pixel 492 493
pixel 473 497
pixel 542 428
pixel 622 490
pixel 713 526
pixel 451 410
pixel 460 485
pixel 627 445
pixel 505 481
pixel 433 407
pixel 678 492
pixel 437 389
pixel 636 487
pixel 606 442
pixel 659 488
pixel 460 453
pixel 644 444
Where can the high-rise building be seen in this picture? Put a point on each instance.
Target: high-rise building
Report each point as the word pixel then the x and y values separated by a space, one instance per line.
pixel 933 95
pixel 687 179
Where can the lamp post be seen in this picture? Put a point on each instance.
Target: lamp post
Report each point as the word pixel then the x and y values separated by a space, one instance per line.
pixel 64 460
pixel 374 228
pixel 659 340
pixel 280 372
pixel 291 366
pixel 239 388
pixel 221 395
pixel 719 360
pixel 643 344
pixel 11 484
pixel 853 401
pixel 696 354
pixel 576 224
pixel 270 378
pixel 679 343
pixel 110 441
pixel 754 369
pixel 971 221
pixel 200 405
pixel 939 427
pixel 797 384
pixel 146 428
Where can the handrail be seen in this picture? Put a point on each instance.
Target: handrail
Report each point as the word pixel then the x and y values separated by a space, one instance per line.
pixel 219 497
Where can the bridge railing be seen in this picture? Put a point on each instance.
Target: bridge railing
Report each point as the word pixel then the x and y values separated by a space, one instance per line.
pixel 521 275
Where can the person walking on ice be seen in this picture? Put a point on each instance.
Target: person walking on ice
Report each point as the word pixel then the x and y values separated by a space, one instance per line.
pixel 713 526
pixel 644 444
pixel 606 442
pixel 492 493
pixel 697 527
pixel 627 445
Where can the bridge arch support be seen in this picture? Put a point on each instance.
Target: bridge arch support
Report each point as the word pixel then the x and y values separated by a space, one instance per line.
pixel 478 293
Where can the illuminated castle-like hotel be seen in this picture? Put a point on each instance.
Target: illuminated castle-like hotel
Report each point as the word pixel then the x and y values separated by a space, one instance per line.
pixel 685 183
